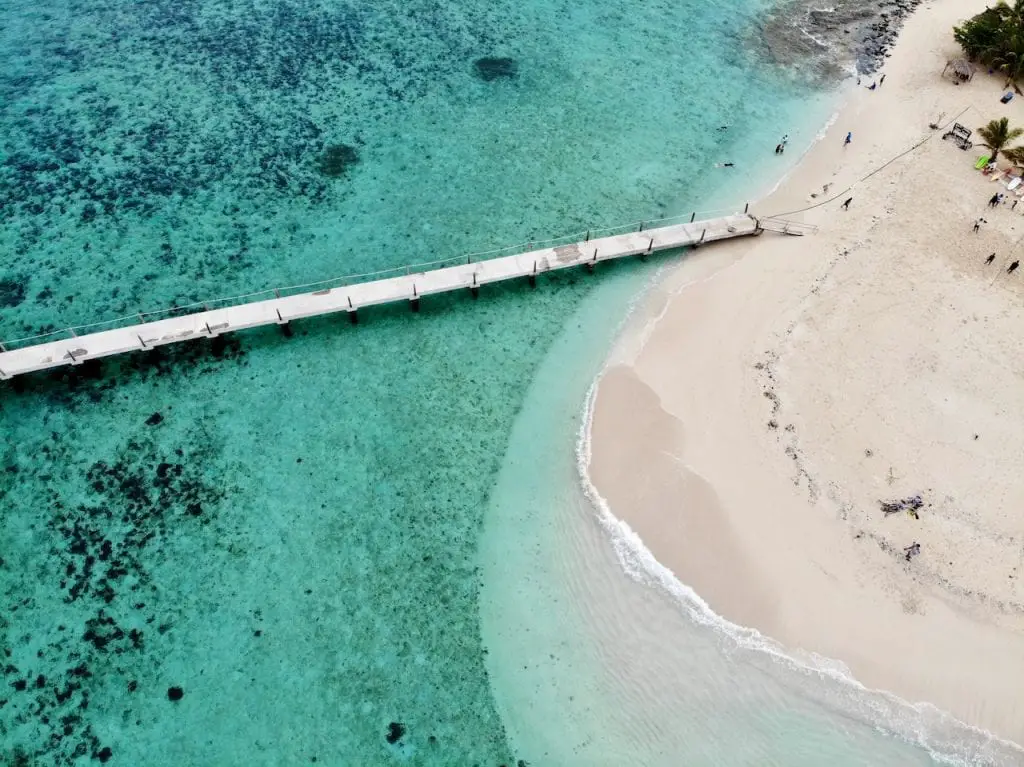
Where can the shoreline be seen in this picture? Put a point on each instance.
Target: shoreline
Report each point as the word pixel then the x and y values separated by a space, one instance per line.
pixel 748 448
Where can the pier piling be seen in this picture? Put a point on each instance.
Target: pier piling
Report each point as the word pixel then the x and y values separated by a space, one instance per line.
pixel 286 329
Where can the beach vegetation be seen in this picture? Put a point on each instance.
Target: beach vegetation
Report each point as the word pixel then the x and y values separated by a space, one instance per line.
pixel 995 38
pixel 998 135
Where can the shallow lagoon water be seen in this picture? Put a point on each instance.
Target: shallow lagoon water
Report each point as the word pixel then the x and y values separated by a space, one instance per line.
pixel 287 529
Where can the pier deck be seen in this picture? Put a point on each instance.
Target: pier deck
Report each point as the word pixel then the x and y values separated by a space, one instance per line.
pixel 77 348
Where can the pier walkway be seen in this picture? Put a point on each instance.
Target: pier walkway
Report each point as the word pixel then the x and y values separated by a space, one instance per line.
pixel 72 347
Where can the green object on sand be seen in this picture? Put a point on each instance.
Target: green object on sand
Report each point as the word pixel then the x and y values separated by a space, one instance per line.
pixel 982 162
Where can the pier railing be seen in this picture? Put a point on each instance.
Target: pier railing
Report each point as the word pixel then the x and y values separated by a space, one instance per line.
pixel 351 279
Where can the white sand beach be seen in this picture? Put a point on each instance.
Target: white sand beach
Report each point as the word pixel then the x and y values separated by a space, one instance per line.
pixel 774 390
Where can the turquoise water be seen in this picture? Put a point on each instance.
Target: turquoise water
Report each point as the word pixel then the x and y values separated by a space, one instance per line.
pixel 265 550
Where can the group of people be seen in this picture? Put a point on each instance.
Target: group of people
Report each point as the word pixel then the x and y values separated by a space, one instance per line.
pixel 993 202
pixel 1009 270
pixel 874 84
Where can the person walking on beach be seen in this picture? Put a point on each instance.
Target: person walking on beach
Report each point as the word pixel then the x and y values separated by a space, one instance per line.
pixel 849 138
pixel 1013 267
pixel 990 259
pixel 846 205
pixel 977 224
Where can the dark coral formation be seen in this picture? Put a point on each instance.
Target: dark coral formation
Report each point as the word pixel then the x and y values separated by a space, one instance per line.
pixel 488 69
pixel 12 292
pixel 395 732
pixel 337 159
pixel 126 510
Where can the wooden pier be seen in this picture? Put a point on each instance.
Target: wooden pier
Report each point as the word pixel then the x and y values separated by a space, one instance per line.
pixel 73 348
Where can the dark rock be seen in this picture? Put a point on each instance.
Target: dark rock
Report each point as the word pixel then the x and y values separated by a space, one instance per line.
pixel 175 693
pixel 154 419
pixel 395 732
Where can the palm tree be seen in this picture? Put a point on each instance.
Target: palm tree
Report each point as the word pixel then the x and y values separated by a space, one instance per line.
pixel 1015 155
pixel 997 134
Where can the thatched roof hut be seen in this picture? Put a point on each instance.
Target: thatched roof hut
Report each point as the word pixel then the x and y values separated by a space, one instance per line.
pixel 961 70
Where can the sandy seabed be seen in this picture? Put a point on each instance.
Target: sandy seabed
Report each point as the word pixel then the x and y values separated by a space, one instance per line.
pixel 773 392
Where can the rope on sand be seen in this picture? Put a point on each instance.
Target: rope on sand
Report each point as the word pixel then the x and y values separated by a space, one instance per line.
pixel 880 168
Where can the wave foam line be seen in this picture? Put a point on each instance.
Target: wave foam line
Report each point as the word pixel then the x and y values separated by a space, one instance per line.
pixel 922 723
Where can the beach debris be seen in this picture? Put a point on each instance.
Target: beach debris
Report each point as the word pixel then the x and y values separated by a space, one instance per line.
pixel 868 452
pixel 909 505
pixel 912 550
